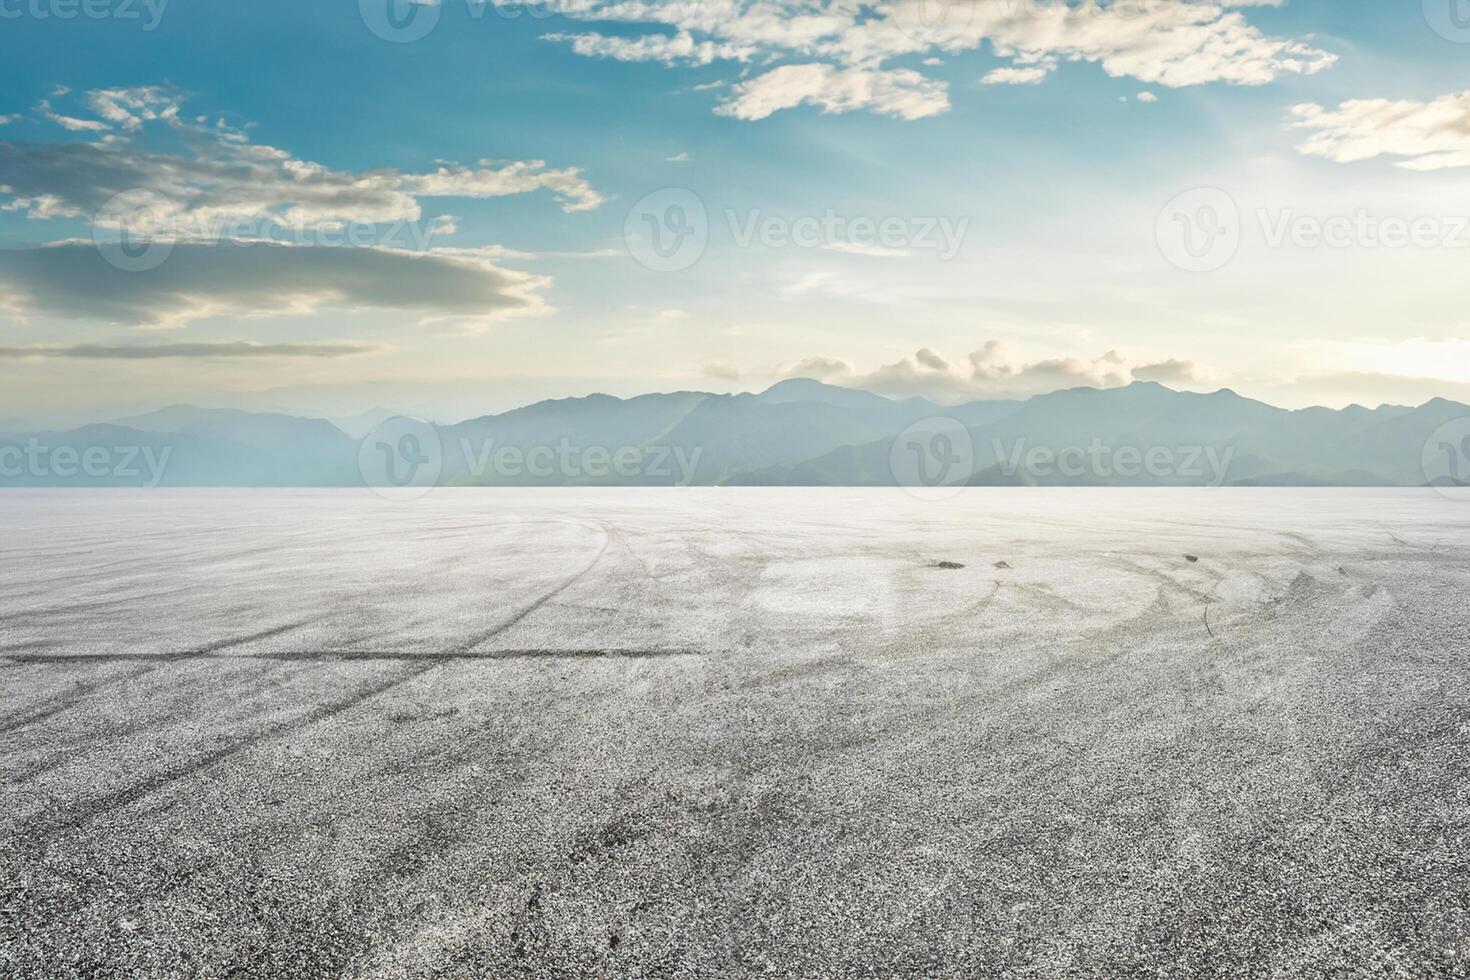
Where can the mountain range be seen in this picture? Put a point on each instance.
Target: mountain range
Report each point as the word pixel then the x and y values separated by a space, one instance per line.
pixel 798 433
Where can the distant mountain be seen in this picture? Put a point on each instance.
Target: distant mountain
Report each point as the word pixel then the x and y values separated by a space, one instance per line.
pixel 798 433
pixel 361 423
pixel 1149 435
pixel 269 449
pixel 701 438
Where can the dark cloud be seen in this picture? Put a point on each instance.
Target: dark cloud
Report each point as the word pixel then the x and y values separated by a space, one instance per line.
pixel 74 280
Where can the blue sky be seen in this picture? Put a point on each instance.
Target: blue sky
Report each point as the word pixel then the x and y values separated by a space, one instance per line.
pixel 521 157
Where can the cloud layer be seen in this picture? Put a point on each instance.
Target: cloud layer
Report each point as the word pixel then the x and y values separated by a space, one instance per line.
pixel 992 371
pixel 212 177
pixel 835 51
pixel 150 352
pixel 220 201
pixel 74 280
pixel 1433 135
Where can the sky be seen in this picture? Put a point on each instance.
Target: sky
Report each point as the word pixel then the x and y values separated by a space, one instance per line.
pixel 454 208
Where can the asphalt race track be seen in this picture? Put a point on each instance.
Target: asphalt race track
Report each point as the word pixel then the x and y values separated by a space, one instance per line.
pixel 726 732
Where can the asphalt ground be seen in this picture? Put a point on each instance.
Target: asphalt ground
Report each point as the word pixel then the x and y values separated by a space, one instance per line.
pixel 735 733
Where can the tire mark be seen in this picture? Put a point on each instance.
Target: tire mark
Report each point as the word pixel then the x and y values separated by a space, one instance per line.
pixel 98 806
pixel 238 641
pixel 68 699
pixel 491 634
pixel 91 809
pixel 1153 573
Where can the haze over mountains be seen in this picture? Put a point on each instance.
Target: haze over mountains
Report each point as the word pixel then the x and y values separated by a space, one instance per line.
pixel 798 433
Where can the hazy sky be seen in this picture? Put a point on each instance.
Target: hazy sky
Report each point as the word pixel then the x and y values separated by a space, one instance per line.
pixel 456 208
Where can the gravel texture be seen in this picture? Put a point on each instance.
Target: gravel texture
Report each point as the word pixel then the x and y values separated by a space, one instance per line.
pixel 749 733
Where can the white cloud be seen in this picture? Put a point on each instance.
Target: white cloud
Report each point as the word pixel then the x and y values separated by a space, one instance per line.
pixel 820 368
pixel 71 123
pixel 1034 75
pixel 827 282
pixel 992 371
pixel 1171 372
pixel 219 177
pixel 840 44
pixel 1147 97
pixel 872 251
pixel 495 179
pixel 131 107
pixel 1174 43
pixel 1433 135
pixel 679 48
pixel 220 200
pixel 899 92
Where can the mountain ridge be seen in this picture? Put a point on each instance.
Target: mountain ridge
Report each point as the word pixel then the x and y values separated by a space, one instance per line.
pixel 799 432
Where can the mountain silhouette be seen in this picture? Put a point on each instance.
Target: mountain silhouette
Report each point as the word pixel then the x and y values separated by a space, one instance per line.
pixel 798 433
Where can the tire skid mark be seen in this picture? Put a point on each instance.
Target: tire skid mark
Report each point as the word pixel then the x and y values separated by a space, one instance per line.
pixel 486 637
pixel 58 703
pixel 38 828
pixel 88 810
pixel 66 750
pixel 1167 580
pixel 239 641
